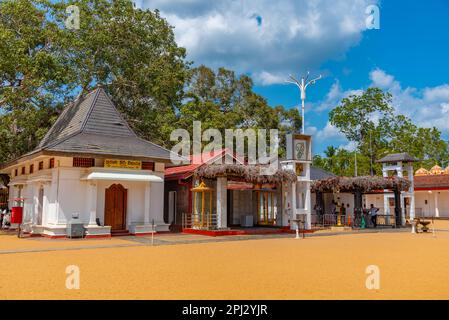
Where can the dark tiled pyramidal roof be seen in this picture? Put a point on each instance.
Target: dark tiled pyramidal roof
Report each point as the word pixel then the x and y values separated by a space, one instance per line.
pixel 319 174
pixel 92 125
pixel 397 157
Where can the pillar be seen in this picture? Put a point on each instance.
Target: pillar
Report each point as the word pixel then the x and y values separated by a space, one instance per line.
pixel 358 204
pixel 437 210
pixel 397 207
pixel 293 203
pixel 146 213
pixel 308 206
pixel 386 203
pixel 92 202
pixel 411 191
pixel 222 184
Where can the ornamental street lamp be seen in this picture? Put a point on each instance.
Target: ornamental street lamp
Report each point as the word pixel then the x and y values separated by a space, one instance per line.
pixel 302 85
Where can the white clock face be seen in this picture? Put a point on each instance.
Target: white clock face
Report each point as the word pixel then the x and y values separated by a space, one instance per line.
pixel 300 150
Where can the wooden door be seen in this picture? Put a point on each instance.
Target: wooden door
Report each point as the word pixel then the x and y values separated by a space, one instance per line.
pixel 115 207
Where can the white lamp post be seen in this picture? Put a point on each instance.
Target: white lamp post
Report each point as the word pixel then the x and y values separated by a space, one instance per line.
pixel 302 85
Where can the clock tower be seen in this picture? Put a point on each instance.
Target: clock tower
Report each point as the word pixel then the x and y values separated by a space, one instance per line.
pixel 297 196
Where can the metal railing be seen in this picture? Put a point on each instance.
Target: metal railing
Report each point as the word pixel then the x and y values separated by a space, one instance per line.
pixel 385 220
pixel 328 220
pixel 192 220
pixel 186 221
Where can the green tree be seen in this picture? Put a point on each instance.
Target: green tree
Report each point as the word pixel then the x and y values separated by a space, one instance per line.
pixel 221 99
pixel 369 120
pixel 355 118
pixel 131 52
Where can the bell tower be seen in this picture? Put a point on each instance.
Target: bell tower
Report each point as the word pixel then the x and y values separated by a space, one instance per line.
pixel 297 196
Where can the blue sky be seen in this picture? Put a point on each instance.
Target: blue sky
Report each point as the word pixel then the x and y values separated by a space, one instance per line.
pixel 408 55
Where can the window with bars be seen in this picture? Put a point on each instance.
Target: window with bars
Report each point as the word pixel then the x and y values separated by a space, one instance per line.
pixel 31 168
pixel 52 163
pixel 147 165
pixel 41 165
pixel 83 162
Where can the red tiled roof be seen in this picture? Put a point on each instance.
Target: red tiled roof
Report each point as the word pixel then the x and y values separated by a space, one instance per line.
pixel 429 182
pixel 197 160
pixel 180 171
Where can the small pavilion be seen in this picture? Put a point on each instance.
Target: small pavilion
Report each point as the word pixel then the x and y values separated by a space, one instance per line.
pixel 398 164
pixel 359 186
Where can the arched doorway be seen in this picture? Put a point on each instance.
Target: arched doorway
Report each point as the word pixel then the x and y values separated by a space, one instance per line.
pixel 115 207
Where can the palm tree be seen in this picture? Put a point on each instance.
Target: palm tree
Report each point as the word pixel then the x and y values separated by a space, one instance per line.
pixel 330 153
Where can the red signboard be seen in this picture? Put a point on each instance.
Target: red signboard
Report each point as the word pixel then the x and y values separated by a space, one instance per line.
pixel 16 215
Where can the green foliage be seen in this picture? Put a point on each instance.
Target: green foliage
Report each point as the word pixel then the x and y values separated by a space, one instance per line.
pixel 222 100
pixel 369 121
pixel 133 54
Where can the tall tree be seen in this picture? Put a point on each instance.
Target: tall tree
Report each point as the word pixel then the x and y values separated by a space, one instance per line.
pixel 43 65
pixel 133 53
pixel 221 99
pixel 362 119
pixel 370 121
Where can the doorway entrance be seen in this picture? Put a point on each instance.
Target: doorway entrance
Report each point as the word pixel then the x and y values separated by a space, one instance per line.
pixel 266 208
pixel 115 207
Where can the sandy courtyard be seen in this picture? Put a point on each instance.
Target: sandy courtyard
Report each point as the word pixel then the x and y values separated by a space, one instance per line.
pixel 318 267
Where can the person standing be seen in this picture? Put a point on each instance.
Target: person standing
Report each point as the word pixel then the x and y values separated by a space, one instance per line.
pixel 373 213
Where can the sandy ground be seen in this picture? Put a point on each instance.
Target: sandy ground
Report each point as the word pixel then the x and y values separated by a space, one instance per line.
pixel 320 267
pixel 10 241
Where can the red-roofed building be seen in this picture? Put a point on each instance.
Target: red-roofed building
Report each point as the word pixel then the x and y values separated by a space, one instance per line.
pixel 431 191
pixel 179 182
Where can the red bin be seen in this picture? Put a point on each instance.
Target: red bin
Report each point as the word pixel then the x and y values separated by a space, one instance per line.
pixel 16 215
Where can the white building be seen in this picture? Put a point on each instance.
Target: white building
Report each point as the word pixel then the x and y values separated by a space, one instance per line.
pixel 432 192
pixel 429 197
pixel 90 165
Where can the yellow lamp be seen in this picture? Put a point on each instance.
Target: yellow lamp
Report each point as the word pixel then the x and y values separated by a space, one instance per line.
pixel 202 209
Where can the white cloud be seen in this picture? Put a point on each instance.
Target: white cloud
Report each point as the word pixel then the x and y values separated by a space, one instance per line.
pixel 426 107
pixel 350 146
pixel 333 97
pixel 437 93
pixel 445 107
pixel 381 79
pixel 265 78
pixel 329 132
pixel 268 39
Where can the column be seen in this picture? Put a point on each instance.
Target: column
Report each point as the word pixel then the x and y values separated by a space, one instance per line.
pixel 400 170
pixel 293 202
pixel 222 202
pixel 92 202
pixel 308 207
pixel 386 204
pixel 146 214
pixel 437 210
pixel 411 191
pixel 397 207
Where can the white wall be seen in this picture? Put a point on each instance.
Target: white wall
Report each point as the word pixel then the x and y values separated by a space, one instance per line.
pixel 157 203
pixel 377 200
pixel 428 210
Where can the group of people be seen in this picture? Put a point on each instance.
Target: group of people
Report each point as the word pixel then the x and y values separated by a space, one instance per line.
pixel 342 210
